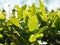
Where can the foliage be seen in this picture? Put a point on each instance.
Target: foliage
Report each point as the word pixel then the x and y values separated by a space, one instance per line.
pixel 31 25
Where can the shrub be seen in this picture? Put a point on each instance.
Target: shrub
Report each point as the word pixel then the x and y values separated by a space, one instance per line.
pixel 29 26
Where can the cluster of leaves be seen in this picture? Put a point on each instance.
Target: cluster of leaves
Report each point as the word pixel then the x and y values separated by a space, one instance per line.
pixel 30 25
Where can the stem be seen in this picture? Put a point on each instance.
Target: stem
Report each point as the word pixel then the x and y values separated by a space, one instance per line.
pixel 20 36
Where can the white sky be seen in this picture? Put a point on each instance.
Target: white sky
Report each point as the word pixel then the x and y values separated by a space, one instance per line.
pixel 51 4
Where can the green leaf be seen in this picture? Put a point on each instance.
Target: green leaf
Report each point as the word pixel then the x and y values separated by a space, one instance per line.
pixel 32 23
pixel 24 7
pixel 52 18
pixel 1 29
pixel 2 16
pixel 53 24
pixel 51 15
pixel 25 13
pixel 42 29
pixel 17 7
pixel 39 35
pixel 58 13
pixel 1 36
pixel 57 23
pixel 44 18
pixel 32 38
pixel 9 23
pixel 19 11
pixel 30 14
pixel 1 44
pixel 12 43
pixel 15 21
pixel 31 10
pixel 42 8
pixel 43 11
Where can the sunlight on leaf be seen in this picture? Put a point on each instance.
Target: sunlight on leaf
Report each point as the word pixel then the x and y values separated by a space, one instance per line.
pixel 42 8
pixel 1 36
pixel 1 44
pixel 42 29
pixel 1 29
pixel 32 38
pixel 15 22
pixel 43 11
pixel 25 13
pixel 24 7
pixel 32 10
pixel 39 35
pixel 2 16
pixel 32 23
pixel 19 11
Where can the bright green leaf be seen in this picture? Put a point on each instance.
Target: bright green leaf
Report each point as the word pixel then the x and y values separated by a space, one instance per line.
pixel 1 36
pixel 17 7
pixel 42 8
pixel 32 38
pixel 42 29
pixel 53 24
pixel 44 18
pixel 39 35
pixel 1 44
pixel 2 16
pixel 25 13
pixel 57 23
pixel 19 11
pixel 43 11
pixel 1 29
pixel 32 10
pixel 24 7
pixel 32 23
pixel 52 15
pixel 15 21
pixel 30 14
